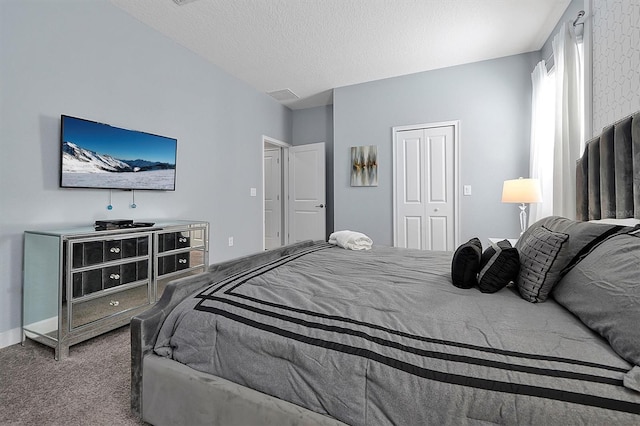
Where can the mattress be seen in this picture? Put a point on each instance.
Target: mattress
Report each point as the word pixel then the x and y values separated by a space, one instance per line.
pixel 383 337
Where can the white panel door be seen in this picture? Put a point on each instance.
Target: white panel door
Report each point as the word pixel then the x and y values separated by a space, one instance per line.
pixel 307 204
pixel 424 188
pixel 272 198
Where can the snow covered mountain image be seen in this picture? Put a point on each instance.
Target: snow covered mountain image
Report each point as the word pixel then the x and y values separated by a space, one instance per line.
pixel 79 160
pixel 86 168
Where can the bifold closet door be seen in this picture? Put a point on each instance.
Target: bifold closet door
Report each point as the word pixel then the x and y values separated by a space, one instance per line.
pixel 424 188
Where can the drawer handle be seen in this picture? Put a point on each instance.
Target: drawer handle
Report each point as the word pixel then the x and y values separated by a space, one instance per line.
pixel 182 240
pixel 115 250
pixel 182 260
pixel 114 276
pixel 114 303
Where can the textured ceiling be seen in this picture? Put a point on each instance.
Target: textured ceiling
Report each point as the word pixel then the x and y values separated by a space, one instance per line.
pixel 312 46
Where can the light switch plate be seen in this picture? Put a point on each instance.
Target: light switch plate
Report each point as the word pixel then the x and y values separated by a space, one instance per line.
pixel 466 190
pixel 253 192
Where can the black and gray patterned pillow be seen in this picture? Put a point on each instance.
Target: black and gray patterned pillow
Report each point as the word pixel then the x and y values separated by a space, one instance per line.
pixel 541 262
pixel 499 265
pixel 466 264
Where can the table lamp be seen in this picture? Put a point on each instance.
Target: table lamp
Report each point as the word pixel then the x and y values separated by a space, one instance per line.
pixel 521 191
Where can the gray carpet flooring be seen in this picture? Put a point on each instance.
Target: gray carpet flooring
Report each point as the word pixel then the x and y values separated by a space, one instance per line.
pixel 90 387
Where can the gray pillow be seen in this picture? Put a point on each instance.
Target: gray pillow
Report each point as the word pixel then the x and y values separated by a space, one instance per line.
pixel 541 263
pixel 603 290
pixel 583 236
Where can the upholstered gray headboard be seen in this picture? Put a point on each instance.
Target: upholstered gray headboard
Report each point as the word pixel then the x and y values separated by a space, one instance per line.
pixel 608 174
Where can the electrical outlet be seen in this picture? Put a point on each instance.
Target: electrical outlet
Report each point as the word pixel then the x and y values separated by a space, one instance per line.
pixel 230 241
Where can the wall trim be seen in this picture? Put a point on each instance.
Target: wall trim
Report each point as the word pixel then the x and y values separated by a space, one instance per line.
pixel 10 337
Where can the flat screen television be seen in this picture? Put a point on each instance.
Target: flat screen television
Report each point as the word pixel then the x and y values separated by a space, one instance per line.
pixel 97 155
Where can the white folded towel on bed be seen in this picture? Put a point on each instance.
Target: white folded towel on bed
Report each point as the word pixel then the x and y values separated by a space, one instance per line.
pixel 351 240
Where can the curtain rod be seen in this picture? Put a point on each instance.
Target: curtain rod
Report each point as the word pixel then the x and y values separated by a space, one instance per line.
pixel 575 22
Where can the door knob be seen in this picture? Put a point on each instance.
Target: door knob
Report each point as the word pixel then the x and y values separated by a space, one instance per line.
pixel 321 205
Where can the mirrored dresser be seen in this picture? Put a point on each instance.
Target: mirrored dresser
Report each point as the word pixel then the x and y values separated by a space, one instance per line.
pixel 79 283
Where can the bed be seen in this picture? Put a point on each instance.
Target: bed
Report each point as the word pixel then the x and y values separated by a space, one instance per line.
pixel 315 334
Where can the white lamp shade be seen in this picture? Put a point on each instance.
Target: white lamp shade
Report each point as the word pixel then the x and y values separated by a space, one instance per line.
pixel 521 191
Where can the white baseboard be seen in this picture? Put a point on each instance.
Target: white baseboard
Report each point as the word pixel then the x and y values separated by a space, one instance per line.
pixel 10 337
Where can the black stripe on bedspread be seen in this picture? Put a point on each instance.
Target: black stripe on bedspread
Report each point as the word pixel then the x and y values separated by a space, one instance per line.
pixel 219 293
pixel 418 351
pixel 493 385
pixel 413 336
pixel 237 280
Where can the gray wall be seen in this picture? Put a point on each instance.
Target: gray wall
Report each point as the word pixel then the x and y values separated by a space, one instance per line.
pixel 90 59
pixel 313 125
pixel 492 100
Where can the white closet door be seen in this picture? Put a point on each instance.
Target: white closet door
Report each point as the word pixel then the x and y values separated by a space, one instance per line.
pixel 424 183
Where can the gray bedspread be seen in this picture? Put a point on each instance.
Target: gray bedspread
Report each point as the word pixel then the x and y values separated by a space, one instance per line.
pixel 383 337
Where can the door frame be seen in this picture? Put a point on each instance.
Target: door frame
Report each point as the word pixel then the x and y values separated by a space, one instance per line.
pixel 456 173
pixel 284 148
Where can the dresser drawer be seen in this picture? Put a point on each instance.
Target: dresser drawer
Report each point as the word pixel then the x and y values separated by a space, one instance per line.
pixel 88 311
pixel 88 253
pixel 90 281
pixel 174 240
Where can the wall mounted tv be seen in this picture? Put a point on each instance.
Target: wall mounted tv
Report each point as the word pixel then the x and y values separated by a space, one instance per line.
pixel 96 155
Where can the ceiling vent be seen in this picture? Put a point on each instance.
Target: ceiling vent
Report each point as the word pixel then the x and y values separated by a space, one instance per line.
pixel 181 2
pixel 283 95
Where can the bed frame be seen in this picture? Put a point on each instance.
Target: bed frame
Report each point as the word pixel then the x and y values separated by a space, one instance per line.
pixel 191 397
pixel 608 186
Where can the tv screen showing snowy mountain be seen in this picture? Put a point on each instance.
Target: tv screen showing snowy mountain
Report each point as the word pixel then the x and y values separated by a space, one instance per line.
pixel 96 155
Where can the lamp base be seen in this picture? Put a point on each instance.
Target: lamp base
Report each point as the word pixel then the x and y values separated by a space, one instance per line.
pixel 523 218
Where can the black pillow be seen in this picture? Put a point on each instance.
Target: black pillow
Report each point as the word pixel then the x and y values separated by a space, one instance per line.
pixel 499 265
pixel 466 264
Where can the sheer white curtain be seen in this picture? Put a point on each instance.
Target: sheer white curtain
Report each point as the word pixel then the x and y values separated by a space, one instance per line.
pixel 568 120
pixel 542 137
pixel 557 135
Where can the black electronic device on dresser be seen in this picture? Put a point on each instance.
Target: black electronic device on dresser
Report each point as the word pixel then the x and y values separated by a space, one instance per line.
pixel 82 282
pixel 108 225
